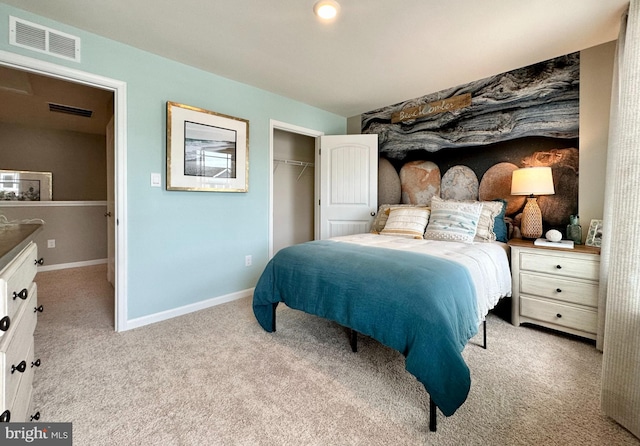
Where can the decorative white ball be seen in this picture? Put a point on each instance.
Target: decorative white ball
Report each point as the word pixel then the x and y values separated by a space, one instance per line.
pixel 553 235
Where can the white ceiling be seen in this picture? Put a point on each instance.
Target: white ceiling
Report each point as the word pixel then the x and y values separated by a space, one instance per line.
pixel 377 53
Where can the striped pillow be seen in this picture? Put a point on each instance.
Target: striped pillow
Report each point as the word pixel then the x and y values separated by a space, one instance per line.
pixel 455 221
pixel 406 221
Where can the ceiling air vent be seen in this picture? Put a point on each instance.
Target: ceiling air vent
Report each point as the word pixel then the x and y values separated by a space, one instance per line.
pixel 44 40
pixel 59 108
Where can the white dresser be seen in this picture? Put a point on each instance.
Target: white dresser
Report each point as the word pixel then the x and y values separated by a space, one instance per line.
pixel 18 316
pixel 556 288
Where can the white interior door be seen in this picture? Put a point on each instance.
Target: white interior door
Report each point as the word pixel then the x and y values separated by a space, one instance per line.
pixel 348 184
pixel 110 214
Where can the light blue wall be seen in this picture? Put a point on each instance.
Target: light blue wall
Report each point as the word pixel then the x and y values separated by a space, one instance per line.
pixel 184 247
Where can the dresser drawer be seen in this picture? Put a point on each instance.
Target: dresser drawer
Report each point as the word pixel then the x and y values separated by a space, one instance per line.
pixel 15 281
pixel 567 290
pixel 583 268
pixel 20 410
pixel 16 349
pixel 559 314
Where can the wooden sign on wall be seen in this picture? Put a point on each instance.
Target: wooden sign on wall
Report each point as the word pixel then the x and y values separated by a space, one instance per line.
pixel 445 105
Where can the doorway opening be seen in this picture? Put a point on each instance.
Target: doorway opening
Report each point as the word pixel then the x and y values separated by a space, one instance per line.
pixel 293 185
pixel 118 137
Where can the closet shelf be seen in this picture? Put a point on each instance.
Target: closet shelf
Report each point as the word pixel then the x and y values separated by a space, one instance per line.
pixel 303 164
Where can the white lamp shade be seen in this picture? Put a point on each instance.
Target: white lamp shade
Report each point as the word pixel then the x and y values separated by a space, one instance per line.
pixel 532 181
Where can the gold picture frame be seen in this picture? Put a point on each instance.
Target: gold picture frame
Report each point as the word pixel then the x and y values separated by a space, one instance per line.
pixel 206 151
pixel 24 185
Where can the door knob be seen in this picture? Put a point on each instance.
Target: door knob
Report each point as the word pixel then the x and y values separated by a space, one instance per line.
pixel 107 214
pixel 373 214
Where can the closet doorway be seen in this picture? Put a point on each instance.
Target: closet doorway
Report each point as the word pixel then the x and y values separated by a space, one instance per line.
pixel 293 186
pixel 293 189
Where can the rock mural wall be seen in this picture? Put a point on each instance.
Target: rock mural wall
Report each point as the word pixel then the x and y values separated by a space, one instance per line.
pixel 463 143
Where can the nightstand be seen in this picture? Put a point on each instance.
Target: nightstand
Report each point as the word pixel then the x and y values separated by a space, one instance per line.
pixel 555 287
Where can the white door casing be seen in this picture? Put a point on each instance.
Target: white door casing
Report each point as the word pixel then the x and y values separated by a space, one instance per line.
pixel 111 213
pixel 348 184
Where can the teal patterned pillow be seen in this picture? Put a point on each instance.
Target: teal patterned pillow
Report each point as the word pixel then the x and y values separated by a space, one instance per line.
pixel 454 221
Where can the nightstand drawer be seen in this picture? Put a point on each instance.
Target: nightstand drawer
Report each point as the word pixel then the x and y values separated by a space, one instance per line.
pixel 559 265
pixel 559 314
pixel 567 290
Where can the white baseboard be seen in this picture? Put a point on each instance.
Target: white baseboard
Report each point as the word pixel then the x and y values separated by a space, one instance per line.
pixel 44 268
pixel 169 314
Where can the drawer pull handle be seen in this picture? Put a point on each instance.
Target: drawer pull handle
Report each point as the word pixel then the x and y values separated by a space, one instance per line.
pixel 559 266
pixel 40 261
pixel 38 309
pixel 22 294
pixel 558 315
pixel 20 367
pixel 35 416
pixel 5 417
pixel 558 290
pixel 36 363
pixel 4 323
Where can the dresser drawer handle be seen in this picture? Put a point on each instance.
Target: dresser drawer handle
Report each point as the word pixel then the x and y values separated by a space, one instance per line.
pixel 558 290
pixel 38 309
pixel 4 323
pixel 558 315
pixel 36 363
pixel 22 294
pixel 559 266
pixel 20 367
pixel 35 416
pixel 40 261
pixel 5 417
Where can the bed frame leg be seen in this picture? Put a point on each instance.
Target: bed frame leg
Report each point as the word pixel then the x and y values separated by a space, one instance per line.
pixel 484 327
pixel 432 415
pixel 273 309
pixel 354 340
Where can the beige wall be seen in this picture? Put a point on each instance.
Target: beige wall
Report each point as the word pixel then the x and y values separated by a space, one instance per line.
pixel 596 74
pixel 293 197
pixel 80 230
pixel 76 160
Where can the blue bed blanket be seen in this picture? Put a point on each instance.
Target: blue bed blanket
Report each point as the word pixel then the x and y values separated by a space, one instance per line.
pixel 420 305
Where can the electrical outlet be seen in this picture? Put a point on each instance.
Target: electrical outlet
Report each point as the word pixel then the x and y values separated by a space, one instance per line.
pixel 51 243
pixel 247 260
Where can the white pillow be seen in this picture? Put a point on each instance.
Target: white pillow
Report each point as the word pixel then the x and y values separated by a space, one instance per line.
pixel 383 215
pixel 490 210
pixel 406 222
pixel 453 220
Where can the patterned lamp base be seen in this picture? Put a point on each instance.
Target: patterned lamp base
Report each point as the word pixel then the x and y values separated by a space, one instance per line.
pixel 531 225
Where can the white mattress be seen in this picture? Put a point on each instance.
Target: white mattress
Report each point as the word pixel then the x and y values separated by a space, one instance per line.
pixel 487 262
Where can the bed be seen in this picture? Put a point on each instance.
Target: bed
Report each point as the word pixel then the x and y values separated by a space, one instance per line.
pixel 422 297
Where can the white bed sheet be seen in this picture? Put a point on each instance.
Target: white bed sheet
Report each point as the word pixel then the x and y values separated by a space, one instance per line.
pixel 487 262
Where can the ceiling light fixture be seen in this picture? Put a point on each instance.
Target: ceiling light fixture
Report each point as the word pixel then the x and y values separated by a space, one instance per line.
pixel 326 9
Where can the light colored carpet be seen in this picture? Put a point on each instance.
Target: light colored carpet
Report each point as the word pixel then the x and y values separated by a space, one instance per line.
pixel 216 378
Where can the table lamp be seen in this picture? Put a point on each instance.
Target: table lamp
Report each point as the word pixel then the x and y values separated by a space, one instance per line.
pixel 532 181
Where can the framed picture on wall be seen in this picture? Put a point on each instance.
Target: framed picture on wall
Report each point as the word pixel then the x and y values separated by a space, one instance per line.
pixel 594 236
pixel 206 151
pixel 20 185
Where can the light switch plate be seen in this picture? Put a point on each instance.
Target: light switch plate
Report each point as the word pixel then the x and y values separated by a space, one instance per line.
pixel 155 180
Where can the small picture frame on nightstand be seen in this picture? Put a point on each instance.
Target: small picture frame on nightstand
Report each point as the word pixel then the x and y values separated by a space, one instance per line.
pixel 594 236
